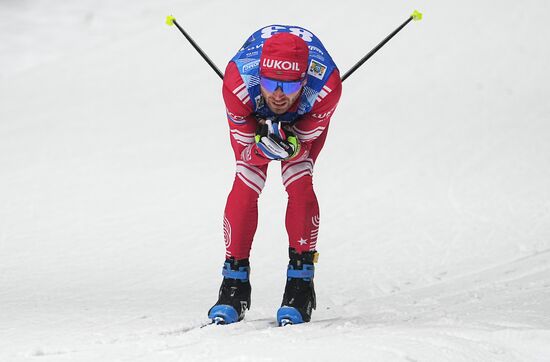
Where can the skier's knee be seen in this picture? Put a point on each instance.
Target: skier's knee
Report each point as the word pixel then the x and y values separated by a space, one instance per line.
pixel 250 179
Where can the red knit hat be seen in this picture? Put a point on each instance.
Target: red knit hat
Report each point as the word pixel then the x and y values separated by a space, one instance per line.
pixel 284 57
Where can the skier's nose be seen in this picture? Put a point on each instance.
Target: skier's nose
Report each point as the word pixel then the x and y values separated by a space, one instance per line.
pixel 278 94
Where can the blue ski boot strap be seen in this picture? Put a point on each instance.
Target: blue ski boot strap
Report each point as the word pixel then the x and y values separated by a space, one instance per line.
pixel 307 272
pixel 241 274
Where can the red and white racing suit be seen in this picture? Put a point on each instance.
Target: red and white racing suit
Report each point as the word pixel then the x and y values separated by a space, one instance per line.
pixel 241 210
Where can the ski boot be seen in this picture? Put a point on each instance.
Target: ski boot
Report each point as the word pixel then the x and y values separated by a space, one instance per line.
pixel 299 298
pixel 234 295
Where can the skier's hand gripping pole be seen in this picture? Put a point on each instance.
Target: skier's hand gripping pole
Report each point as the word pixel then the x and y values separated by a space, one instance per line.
pixel 170 21
pixel 416 16
pixel 275 141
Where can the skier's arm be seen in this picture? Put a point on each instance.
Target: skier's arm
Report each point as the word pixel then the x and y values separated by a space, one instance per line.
pixel 242 123
pixel 314 123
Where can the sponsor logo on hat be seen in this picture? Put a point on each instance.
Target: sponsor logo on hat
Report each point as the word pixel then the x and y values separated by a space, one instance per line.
pixel 316 69
pixel 280 64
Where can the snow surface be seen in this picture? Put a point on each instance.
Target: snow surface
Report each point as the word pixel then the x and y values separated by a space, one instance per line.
pixel 434 185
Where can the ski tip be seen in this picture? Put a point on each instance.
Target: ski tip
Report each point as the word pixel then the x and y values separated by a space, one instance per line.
pixel 416 15
pixel 170 20
pixel 288 315
pixel 223 314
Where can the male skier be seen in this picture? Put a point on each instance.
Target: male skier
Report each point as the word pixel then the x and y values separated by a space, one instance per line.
pixel 280 91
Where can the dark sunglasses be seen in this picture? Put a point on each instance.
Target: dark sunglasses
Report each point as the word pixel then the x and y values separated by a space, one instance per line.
pixel 287 87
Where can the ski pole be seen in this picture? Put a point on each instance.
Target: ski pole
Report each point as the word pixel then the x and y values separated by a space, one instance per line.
pixel 417 16
pixel 170 20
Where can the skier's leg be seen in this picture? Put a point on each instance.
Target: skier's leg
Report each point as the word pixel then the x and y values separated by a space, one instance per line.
pixel 302 224
pixel 239 223
pixel 241 210
pixel 302 213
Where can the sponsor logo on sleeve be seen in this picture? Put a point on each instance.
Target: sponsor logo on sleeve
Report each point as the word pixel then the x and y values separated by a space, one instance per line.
pixel 251 65
pixel 315 49
pixel 316 69
pixel 317 56
pixel 322 116
pixel 234 117
pixel 251 48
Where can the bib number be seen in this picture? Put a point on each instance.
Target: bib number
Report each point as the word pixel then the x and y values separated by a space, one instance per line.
pixel 302 33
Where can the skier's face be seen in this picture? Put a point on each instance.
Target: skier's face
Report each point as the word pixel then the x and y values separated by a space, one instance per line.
pixel 278 101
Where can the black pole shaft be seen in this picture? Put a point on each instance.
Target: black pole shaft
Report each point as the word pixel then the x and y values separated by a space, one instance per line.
pixel 375 49
pixel 199 50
